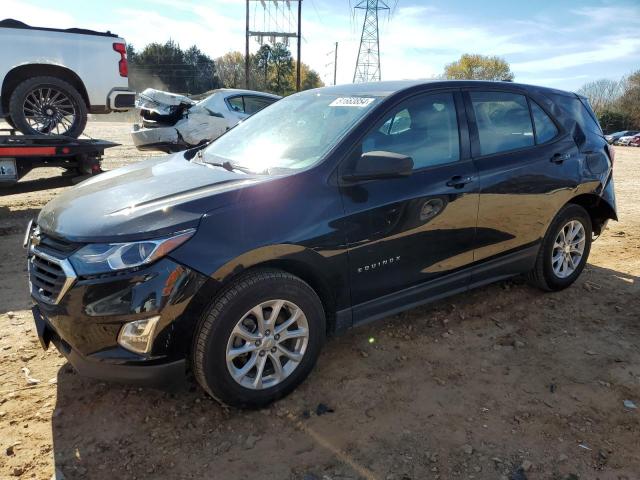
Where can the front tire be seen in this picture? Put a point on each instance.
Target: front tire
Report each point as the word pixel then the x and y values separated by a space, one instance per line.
pixel 564 250
pixel 48 106
pixel 259 339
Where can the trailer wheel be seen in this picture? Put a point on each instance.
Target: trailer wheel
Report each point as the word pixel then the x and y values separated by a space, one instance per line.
pixel 48 106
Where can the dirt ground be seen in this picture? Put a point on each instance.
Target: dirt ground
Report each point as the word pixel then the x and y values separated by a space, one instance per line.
pixel 503 382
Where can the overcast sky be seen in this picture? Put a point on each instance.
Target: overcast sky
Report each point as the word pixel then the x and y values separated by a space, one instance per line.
pixel 561 43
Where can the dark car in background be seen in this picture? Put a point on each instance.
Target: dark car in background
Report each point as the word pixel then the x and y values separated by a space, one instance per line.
pixel 331 208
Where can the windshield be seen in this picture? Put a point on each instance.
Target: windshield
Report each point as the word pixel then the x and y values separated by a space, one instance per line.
pixel 292 134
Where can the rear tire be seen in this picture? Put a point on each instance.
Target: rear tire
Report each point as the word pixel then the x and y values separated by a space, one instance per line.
pixel 564 250
pixel 229 325
pixel 48 106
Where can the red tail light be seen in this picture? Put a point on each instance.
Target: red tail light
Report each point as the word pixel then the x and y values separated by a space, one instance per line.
pixel 121 48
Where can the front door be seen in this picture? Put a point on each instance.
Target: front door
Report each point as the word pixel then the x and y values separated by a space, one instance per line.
pixel 404 233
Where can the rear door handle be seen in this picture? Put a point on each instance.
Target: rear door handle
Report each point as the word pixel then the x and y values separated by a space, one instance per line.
pixel 560 157
pixel 459 181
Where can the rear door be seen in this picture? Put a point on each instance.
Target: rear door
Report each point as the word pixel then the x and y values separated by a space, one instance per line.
pixel 527 170
pixel 406 232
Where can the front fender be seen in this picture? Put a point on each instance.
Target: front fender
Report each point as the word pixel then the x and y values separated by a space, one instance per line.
pixel 272 254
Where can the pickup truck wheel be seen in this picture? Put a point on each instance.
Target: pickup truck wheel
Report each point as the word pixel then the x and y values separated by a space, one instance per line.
pixel 48 106
pixel 259 339
pixel 564 250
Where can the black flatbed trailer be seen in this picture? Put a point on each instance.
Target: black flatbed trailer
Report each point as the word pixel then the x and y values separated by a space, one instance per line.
pixel 19 154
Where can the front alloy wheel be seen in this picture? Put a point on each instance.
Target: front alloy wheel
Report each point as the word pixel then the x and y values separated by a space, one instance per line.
pixel 259 338
pixel 267 344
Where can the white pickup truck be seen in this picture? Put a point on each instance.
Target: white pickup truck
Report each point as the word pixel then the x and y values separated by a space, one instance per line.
pixel 52 78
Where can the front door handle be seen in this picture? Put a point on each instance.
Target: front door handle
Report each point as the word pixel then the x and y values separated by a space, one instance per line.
pixel 560 157
pixel 459 181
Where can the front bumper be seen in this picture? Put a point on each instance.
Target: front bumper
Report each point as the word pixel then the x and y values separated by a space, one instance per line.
pixel 84 323
pixel 151 375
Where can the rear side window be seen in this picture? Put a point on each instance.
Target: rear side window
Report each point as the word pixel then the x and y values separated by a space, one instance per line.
pixel 545 128
pixel 503 121
pixel 255 104
pixel 424 127
pixel 236 104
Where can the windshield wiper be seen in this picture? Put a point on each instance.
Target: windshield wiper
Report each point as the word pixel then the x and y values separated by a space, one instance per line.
pixel 227 165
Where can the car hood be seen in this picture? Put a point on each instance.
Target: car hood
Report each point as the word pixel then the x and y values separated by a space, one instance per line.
pixel 162 103
pixel 143 200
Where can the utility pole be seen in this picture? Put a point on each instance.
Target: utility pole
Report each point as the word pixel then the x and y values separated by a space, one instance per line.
pixel 246 52
pixel 368 63
pixel 299 45
pixel 335 64
pixel 276 24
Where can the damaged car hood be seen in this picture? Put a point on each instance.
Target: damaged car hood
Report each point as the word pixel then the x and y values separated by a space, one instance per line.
pixel 162 103
pixel 143 200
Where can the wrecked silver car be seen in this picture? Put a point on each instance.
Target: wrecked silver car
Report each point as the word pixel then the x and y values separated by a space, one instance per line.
pixel 171 122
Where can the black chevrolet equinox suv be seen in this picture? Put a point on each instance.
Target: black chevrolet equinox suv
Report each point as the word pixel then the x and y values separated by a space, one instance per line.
pixel 325 210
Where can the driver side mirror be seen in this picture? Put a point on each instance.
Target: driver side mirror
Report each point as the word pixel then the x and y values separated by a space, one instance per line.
pixel 380 164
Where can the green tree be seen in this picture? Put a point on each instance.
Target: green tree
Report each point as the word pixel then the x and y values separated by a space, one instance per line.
pixel 271 69
pixel 629 102
pixel 168 67
pixel 261 62
pixel 282 65
pixel 478 67
pixel 613 121
pixel 230 70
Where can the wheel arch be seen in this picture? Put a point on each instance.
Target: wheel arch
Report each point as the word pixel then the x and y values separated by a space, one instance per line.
pixel 598 208
pixel 23 72
pixel 308 265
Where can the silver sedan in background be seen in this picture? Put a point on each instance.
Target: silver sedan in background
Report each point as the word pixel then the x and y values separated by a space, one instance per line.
pixel 171 122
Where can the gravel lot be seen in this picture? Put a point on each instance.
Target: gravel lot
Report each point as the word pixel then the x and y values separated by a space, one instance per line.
pixel 501 382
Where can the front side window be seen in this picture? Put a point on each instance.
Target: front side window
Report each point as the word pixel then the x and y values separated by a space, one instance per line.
pixel 503 121
pixel 545 128
pixel 424 127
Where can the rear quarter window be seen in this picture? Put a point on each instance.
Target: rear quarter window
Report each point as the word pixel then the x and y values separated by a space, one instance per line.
pixel 545 128
pixel 580 111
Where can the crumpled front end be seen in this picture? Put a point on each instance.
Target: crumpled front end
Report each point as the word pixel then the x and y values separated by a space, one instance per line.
pixel 172 122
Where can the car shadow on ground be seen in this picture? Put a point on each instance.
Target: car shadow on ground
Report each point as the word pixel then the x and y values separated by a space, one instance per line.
pixel 36 185
pixel 105 430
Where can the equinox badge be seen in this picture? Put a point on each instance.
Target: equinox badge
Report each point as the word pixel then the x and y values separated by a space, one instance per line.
pixel 381 263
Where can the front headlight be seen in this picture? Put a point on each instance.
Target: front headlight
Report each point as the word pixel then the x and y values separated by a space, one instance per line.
pixel 96 258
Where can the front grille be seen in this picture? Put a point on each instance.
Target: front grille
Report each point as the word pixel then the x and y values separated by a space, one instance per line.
pixel 57 246
pixel 50 273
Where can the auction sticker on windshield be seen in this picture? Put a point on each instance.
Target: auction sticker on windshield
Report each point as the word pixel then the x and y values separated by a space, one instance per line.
pixel 351 102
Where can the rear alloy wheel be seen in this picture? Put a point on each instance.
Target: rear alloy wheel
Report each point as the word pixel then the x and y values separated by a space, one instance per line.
pixel 48 106
pixel 564 250
pixel 259 339
pixel 568 249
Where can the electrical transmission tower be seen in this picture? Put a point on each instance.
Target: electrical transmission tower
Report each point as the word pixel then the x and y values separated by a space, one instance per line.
pixel 368 64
